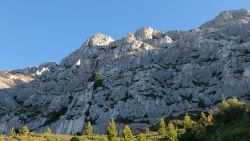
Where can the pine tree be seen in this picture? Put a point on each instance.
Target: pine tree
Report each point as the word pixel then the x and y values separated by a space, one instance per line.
pixel 48 131
pixel 142 137
pixel 88 129
pixel 127 134
pixel 206 120
pixel 187 122
pixel 210 118
pixel 112 131
pixel 12 132
pixel 172 132
pixel 162 127
pixel 25 131
pixel 203 119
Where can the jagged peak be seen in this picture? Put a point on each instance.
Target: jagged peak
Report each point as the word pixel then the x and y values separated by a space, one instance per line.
pixel 100 40
pixel 233 14
pixel 240 16
pixel 147 33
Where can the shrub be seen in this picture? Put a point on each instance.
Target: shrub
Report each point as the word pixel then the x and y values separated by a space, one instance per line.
pixel 230 110
pixel 193 130
pixel 95 77
pixel 193 133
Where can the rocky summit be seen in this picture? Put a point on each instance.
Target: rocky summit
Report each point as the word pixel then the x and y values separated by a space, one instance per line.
pixel 136 80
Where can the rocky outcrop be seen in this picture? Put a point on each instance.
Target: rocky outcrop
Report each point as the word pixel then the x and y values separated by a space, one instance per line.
pixel 136 80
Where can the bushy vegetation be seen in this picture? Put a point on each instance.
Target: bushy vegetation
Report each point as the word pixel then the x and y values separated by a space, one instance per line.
pixel 96 79
pixel 229 122
pixel 230 110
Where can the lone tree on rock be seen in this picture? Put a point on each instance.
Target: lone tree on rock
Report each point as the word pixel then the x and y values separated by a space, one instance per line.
pixel 88 129
pixel 127 134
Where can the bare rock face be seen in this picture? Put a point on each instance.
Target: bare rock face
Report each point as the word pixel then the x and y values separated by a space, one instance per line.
pixel 135 80
pixel 92 48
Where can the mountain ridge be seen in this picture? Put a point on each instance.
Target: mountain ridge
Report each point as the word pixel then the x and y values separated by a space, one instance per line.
pixel 136 80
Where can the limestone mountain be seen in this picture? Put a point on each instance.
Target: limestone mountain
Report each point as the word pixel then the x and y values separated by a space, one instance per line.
pixel 136 80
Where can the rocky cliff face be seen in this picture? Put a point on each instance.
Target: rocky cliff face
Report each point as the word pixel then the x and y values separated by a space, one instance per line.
pixel 136 80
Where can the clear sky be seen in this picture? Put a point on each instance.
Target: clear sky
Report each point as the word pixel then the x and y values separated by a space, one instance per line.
pixel 38 31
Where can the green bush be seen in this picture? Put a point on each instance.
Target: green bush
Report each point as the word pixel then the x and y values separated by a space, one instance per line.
pixel 230 110
pixel 95 76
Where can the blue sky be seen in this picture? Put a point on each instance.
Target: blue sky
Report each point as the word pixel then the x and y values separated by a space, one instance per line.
pixel 37 31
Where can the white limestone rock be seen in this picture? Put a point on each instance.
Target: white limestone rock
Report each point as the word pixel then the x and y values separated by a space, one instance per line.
pixel 136 80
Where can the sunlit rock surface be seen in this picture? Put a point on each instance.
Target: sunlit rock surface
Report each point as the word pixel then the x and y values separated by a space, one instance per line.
pixel 136 80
